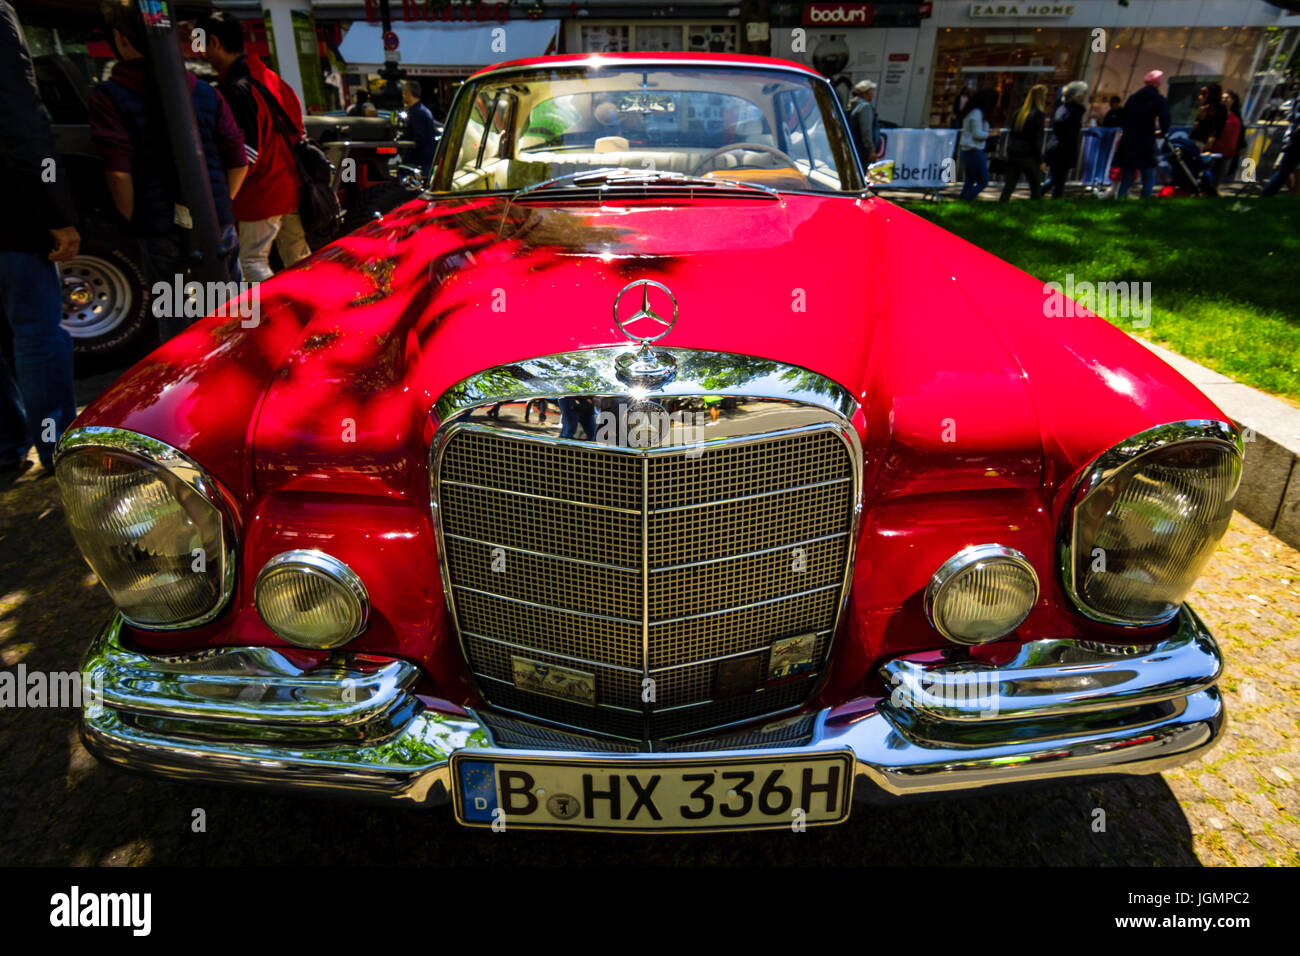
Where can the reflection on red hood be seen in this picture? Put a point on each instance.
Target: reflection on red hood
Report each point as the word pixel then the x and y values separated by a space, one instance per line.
pixel 964 382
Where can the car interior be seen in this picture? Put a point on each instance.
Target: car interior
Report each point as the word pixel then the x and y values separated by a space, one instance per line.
pixel 765 128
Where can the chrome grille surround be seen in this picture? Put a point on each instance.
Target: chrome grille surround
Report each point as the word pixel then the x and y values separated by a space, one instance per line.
pixel 623 562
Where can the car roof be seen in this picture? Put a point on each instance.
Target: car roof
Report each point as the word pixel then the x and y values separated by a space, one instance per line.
pixel 599 59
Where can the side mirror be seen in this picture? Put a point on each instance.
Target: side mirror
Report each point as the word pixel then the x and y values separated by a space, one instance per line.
pixel 880 172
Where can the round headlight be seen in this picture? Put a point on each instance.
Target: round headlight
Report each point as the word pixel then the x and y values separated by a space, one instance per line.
pixel 147 521
pixel 311 599
pixel 1147 516
pixel 981 593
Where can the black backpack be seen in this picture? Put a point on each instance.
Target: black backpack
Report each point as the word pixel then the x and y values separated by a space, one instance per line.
pixel 318 206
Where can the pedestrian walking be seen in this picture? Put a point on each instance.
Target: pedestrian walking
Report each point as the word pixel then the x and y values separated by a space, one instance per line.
pixel 262 103
pixel 1025 145
pixel 37 230
pixel 864 124
pixel 419 123
pixel 1063 143
pixel 1145 113
pixel 129 129
pixel 971 142
pixel 1285 167
pixel 959 104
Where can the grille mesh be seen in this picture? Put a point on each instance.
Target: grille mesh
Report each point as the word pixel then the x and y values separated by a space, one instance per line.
pixel 747 544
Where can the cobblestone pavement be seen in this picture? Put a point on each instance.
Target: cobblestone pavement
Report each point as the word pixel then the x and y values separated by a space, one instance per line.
pixel 1240 805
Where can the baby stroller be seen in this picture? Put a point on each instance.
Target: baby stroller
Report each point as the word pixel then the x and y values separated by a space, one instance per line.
pixel 1181 166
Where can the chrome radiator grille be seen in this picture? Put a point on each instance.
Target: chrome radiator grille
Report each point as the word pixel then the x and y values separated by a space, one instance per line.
pixel 684 568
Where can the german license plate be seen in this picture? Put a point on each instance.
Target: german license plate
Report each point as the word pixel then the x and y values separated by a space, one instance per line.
pixel 647 795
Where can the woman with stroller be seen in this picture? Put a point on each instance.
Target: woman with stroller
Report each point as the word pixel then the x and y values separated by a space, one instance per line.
pixel 1025 145
pixel 1063 144
pixel 974 134
pixel 1145 113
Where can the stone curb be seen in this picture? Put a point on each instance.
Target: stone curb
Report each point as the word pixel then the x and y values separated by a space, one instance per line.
pixel 1270 481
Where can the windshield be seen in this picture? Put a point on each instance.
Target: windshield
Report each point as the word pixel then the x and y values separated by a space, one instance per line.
pixel 773 128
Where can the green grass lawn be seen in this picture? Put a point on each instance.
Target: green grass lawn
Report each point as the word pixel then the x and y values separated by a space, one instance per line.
pixel 1223 272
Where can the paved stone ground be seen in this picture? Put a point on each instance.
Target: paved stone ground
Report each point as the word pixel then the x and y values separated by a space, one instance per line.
pixel 1238 806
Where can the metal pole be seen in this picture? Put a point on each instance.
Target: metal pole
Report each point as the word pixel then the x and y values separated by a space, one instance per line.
pixel 391 98
pixel 168 68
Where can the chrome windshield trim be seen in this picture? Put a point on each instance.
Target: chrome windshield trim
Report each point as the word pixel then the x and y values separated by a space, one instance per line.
pixel 595 61
pixel 1103 468
pixel 181 466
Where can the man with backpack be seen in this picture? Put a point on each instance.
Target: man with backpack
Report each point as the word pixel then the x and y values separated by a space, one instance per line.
pixel 129 129
pixel 270 115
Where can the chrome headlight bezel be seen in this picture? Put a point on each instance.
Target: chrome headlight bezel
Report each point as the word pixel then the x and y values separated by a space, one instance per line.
pixel 156 454
pixel 318 564
pixel 1107 466
pixel 968 560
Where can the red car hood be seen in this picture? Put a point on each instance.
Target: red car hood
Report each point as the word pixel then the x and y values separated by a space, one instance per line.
pixel 961 377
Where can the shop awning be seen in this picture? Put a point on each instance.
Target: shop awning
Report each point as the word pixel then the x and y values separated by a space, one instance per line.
pixel 449 47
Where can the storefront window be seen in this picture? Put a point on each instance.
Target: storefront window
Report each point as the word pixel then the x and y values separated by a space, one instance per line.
pixel 659 37
pixel 602 38
pixel 1007 60
pixel 711 37
pixel 1190 58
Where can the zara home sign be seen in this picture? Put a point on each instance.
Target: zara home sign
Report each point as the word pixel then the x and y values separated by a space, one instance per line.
pixel 1022 9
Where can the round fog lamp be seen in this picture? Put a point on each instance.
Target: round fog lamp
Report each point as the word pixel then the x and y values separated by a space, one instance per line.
pixel 311 599
pixel 981 593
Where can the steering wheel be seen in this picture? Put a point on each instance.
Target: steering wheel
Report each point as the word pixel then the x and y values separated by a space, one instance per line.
pixel 759 147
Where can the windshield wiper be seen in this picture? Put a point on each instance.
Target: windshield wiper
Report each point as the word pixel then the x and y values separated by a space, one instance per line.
pixel 623 176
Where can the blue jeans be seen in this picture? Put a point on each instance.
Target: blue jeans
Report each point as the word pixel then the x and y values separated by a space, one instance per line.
pixel 40 405
pixel 975 172
pixel 1148 175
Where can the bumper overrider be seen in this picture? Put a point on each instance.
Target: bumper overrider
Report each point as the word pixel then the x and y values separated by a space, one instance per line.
pixel 355 728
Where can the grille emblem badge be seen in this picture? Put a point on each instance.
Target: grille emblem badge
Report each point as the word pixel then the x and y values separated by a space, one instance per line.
pixel 646 313
pixel 645 368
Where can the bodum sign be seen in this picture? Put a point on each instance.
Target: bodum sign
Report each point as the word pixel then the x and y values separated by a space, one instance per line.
pixel 838 14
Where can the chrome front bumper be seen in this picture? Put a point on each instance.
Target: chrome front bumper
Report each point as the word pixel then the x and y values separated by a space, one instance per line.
pixel 356 729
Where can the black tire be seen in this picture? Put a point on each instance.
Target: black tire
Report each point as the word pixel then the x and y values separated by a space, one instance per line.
pixel 105 305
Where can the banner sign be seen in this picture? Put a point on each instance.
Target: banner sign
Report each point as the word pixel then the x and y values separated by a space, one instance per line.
pixel 923 158
pixel 838 15
pixel 1022 9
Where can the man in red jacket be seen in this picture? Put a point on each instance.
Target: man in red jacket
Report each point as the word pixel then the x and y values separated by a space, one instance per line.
pixel 269 113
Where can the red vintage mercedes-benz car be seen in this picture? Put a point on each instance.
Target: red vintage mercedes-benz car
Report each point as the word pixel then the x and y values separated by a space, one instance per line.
pixel 649 473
